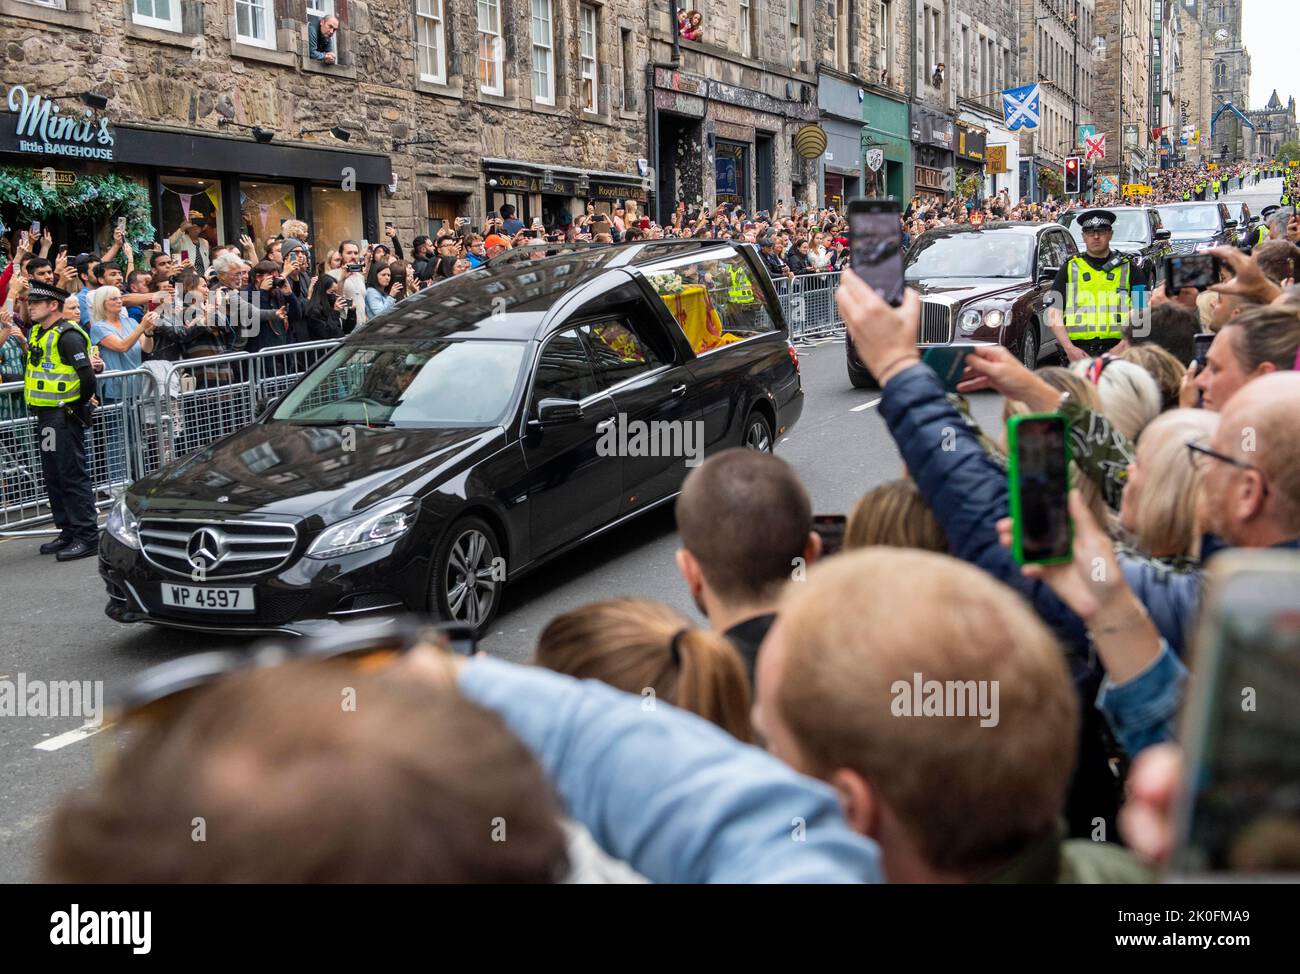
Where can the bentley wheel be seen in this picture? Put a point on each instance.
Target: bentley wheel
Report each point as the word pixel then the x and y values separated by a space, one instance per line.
pixel 1029 348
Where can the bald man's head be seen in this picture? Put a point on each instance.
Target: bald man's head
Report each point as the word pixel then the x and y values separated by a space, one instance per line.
pixel 1260 506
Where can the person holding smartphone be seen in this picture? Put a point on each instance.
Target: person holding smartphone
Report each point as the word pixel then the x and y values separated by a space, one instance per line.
pixel 1098 289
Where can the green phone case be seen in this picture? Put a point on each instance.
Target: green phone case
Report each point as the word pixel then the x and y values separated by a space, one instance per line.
pixel 1013 487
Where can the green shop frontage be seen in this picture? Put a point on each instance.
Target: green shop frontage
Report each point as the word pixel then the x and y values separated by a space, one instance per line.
pixel 886 141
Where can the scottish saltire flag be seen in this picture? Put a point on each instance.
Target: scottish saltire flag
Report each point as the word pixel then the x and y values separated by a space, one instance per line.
pixel 1020 107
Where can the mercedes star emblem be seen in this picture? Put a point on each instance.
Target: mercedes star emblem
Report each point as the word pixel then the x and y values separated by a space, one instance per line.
pixel 205 549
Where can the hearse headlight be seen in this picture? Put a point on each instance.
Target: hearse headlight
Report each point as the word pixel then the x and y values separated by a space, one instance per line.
pixel 380 525
pixel 122 524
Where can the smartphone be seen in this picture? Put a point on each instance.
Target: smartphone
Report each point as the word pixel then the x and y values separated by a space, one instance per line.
pixel 831 529
pixel 1201 342
pixel 355 268
pixel 1240 811
pixel 121 223
pixel 949 361
pixel 167 247
pixel 1039 481
pixel 493 215
pixel 185 255
pixel 876 244
pixel 35 229
pixel 365 245
pixel 1191 270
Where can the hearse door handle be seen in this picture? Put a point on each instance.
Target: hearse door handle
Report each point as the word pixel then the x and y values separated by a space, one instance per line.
pixel 679 390
pixel 605 424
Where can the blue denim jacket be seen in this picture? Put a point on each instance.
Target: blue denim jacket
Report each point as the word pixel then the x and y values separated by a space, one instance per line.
pixel 675 797
pixel 1142 710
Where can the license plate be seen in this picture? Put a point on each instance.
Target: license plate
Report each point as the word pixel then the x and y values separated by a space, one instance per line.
pixel 208 599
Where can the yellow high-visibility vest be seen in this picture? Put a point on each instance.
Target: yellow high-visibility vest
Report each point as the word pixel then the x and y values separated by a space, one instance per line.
pixel 1094 307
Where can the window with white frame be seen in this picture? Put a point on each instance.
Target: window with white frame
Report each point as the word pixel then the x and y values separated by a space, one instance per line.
pixel 162 14
pixel 321 8
pixel 543 53
pixel 587 57
pixel 430 41
pixel 52 4
pixel 798 45
pixel 885 24
pixel 491 48
pixel 254 23
pixel 746 28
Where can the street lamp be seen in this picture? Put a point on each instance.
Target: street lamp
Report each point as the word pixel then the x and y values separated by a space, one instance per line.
pixel 260 134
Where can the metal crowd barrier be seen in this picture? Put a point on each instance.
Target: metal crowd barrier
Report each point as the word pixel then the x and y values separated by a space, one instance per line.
pixel 147 417
pixel 808 301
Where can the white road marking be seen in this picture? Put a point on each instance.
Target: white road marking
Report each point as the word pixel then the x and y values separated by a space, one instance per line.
pixel 71 737
pixel 865 405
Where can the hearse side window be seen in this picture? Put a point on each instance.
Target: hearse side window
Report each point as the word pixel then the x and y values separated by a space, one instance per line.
pixel 563 369
pixel 617 351
pixel 711 297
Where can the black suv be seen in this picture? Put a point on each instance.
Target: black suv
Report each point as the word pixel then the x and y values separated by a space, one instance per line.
pixel 464 437
pixel 1198 227
pixel 1138 232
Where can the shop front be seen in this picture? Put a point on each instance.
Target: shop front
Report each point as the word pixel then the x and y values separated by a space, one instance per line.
pixel 714 143
pixel 841 119
pixel 553 195
pixel 81 180
pixel 933 141
pixel 886 139
pixel 971 150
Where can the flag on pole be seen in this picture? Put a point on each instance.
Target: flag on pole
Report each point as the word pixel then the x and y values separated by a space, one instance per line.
pixel 1095 146
pixel 1020 107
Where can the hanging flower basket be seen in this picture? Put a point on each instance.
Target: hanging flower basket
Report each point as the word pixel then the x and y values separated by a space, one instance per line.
pixel 99 198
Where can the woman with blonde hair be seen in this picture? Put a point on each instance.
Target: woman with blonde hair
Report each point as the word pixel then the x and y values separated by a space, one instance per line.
pixel 1159 510
pixel 648 648
pixel 1163 367
pixel 1130 398
pixel 895 515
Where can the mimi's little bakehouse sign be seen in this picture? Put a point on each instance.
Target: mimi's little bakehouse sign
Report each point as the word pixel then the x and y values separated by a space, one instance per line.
pixel 43 129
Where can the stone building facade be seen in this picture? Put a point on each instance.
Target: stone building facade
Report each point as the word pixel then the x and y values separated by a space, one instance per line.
pixel 1060 47
pixel 1120 103
pixel 1275 125
pixel 1196 53
pixel 1229 78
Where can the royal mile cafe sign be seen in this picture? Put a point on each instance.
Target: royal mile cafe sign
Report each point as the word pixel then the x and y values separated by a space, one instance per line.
pixel 43 129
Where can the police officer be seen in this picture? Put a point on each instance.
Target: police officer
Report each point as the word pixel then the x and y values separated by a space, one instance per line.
pixel 1099 289
pixel 740 296
pixel 59 387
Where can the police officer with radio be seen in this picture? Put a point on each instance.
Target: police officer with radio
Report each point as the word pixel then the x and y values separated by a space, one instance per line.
pixel 59 386
pixel 1099 288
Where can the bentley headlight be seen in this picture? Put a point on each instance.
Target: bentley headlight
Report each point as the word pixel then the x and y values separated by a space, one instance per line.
pixel 993 319
pixel 969 321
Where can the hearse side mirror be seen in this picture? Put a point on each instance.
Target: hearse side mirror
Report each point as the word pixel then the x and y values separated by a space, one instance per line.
pixel 554 412
pixel 1048 273
pixel 1163 234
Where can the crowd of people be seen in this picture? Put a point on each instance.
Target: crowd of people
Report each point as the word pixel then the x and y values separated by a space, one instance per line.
pixel 768 744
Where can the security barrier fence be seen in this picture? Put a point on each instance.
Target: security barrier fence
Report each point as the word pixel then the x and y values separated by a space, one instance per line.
pixel 165 411
pixel 147 417
pixel 808 301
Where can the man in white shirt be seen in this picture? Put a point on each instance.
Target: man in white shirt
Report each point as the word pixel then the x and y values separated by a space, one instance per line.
pixel 189 238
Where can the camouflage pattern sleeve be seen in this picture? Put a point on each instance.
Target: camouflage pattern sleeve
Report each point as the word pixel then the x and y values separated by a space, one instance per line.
pixel 1101 452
